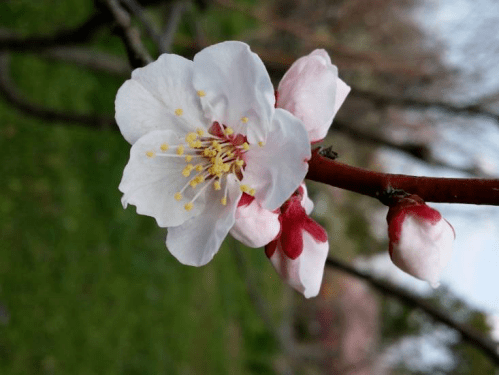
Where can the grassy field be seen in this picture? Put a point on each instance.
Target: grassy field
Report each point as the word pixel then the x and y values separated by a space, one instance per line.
pixel 87 287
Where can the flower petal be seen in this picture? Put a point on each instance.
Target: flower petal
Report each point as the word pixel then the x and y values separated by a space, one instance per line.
pixel 423 247
pixel 305 272
pixel 255 226
pixel 150 183
pixel 305 201
pixel 276 170
pixel 236 88
pixel 196 241
pixel 312 91
pixel 159 96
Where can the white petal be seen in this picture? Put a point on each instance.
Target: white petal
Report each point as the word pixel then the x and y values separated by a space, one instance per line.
pixel 276 170
pixel 424 249
pixel 306 202
pixel 160 95
pixel 236 85
pixel 196 241
pixel 305 272
pixel 312 91
pixel 255 226
pixel 138 112
pixel 151 182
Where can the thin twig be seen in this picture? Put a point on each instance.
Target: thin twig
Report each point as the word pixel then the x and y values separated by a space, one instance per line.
pixel 137 53
pixel 138 12
pixel 168 34
pixel 486 346
pixel 12 95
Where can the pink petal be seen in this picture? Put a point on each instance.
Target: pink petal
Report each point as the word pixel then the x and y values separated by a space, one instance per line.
pixel 312 91
pixel 305 272
pixel 255 226
pixel 420 241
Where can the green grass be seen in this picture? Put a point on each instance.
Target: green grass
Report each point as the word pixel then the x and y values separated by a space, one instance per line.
pixel 87 287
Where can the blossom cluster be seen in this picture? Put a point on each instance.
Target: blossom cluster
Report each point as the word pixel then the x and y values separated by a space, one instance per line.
pixel 216 150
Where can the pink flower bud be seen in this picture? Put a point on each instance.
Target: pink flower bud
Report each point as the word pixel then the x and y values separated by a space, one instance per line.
pixel 420 239
pixel 312 91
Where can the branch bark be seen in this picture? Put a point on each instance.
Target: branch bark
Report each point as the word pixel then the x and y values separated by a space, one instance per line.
pixel 380 185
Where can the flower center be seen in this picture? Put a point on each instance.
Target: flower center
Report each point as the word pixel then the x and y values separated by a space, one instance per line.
pixel 208 158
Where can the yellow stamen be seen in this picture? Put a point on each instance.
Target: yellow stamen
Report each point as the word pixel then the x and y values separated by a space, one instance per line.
pixel 179 111
pixel 150 154
pixel 188 206
pixel 228 131
pixel 200 132
pixel 239 162
pixel 178 196
pixel 216 185
pixel 191 137
pixel 244 119
pixel 261 144
pixel 188 158
pixel 199 167
pixel 193 183
pixel 180 150
pixel 201 93
pixel 246 146
pixel 252 192
pixel 223 201
pixel 164 147
pixel 244 188
pixel 187 170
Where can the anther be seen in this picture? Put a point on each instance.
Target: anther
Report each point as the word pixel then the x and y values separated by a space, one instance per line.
pixel 199 168
pixel 252 192
pixel 188 158
pixel 180 150
pixel 150 154
pixel 200 132
pixel 187 170
pixel 244 119
pixel 228 131
pixel 223 201
pixel 179 111
pixel 244 188
pixel 178 196
pixel 239 162
pixel 188 206
pixel 191 137
pixel 216 185
pixel 261 144
pixel 201 93
pixel 246 146
pixel 164 147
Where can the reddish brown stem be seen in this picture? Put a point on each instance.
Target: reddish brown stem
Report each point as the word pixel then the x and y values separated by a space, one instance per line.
pixel 380 185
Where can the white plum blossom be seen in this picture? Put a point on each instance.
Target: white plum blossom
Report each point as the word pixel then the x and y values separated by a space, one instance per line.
pixel 204 132
pixel 420 239
pixel 312 91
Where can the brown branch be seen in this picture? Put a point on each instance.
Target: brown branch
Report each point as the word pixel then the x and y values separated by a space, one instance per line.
pixel 486 346
pixel 12 95
pixel 380 185
pixel 137 53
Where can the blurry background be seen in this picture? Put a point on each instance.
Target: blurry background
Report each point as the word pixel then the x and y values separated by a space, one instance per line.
pixel 89 288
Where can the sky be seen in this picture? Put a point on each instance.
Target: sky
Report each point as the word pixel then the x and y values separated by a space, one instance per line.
pixel 469 33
